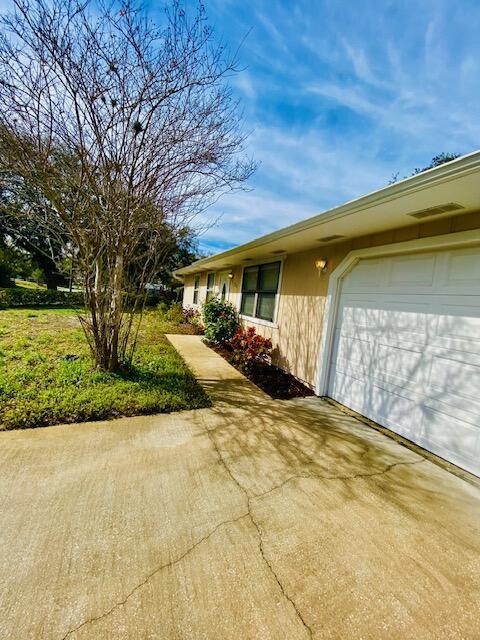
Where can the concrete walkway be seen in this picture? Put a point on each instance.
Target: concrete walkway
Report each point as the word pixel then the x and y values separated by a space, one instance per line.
pixel 255 519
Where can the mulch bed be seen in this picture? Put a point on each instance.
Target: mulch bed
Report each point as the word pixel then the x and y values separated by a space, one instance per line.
pixel 276 383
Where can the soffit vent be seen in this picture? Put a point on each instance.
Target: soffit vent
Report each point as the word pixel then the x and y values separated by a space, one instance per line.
pixel 277 252
pixel 330 238
pixel 436 211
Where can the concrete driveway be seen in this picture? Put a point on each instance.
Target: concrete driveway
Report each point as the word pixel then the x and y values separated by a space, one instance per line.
pixel 256 519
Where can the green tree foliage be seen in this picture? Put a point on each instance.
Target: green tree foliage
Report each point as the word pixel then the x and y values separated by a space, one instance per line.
pixel 25 235
pixel 436 161
pixel 6 272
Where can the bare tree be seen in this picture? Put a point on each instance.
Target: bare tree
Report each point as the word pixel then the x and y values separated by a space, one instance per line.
pixel 128 129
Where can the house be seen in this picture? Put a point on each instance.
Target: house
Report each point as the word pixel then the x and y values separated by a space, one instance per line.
pixel 375 303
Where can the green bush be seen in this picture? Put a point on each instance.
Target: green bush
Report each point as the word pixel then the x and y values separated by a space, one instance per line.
pixel 220 319
pixel 175 313
pixel 20 297
pixel 154 298
pixel 162 308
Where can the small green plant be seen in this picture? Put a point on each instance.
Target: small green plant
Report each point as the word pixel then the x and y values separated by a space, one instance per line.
pixel 221 321
pixel 162 308
pixel 175 313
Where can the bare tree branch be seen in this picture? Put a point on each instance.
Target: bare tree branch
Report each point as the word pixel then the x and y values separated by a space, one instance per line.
pixel 127 130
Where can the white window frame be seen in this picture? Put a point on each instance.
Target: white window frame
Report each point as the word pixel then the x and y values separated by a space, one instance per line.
pixel 431 243
pixel 212 290
pixel 196 290
pixel 252 319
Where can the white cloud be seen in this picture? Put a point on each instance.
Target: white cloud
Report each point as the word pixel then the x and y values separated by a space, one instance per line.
pixel 299 177
pixel 344 96
pixel 244 83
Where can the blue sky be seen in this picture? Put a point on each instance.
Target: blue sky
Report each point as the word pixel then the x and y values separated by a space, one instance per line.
pixel 339 95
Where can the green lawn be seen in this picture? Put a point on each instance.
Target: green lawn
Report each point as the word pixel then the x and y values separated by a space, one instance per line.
pixel 29 285
pixel 39 386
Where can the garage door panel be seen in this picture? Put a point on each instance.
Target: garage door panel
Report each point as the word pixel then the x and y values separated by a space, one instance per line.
pixel 446 435
pixel 382 361
pixel 452 327
pixel 454 407
pixel 457 377
pixel 460 326
pixel 450 438
pixel 377 402
pixel 407 272
pixel 400 362
pixel 357 313
pixel 364 275
pixel 410 360
pixel 393 383
pixel 462 270
pixel 354 353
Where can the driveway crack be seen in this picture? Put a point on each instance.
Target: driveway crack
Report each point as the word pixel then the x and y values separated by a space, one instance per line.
pixel 152 574
pixel 318 476
pixel 255 523
pixel 249 499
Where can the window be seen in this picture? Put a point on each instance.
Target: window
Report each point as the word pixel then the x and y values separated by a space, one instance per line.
pixel 196 287
pixel 259 290
pixel 210 285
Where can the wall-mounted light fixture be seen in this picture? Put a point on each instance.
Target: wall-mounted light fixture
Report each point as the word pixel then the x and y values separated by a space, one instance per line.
pixel 230 275
pixel 321 264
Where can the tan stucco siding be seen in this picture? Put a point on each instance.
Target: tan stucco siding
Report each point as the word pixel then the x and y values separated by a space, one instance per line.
pixel 301 301
pixel 188 291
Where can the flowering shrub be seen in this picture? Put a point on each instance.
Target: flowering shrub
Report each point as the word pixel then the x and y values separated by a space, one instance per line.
pixel 191 315
pixel 220 319
pixel 249 348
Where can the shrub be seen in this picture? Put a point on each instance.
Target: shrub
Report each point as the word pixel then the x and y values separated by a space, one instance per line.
pixel 249 349
pixel 154 298
pixel 220 319
pixel 20 297
pixel 162 308
pixel 191 315
pixel 175 313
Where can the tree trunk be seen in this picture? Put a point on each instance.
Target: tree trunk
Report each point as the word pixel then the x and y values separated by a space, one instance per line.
pixel 116 307
pixel 105 301
pixel 49 270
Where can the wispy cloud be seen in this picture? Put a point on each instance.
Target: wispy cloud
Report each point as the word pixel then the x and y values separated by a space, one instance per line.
pixel 339 96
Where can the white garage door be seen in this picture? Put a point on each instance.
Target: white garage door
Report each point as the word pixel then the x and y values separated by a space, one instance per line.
pixel 407 349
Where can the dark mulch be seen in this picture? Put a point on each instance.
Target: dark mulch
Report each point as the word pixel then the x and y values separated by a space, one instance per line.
pixel 276 383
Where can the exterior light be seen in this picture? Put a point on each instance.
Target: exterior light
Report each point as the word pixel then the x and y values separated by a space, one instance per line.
pixel 321 264
pixel 230 275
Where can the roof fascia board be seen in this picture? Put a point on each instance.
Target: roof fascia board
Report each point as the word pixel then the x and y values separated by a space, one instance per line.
pixel 438 175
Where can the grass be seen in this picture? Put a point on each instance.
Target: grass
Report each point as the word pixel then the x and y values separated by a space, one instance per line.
pixel 40 385
pixel 26 284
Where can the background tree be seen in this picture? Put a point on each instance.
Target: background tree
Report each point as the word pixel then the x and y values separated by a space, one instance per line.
pixel 128 130
pixel 24 233
pixel 184 251
pixel 436 161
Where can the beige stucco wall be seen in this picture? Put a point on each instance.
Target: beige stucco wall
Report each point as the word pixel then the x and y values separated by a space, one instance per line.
pixel 296 336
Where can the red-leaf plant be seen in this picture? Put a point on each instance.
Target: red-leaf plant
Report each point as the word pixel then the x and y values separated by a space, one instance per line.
pixel 249 349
